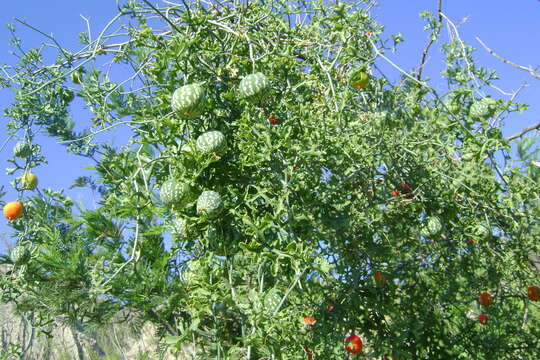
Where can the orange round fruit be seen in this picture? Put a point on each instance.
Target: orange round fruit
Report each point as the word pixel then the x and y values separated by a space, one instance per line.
pixel 485 299
pixel 354 344
pixel 310 321
pixel 13 210
pixel 533 292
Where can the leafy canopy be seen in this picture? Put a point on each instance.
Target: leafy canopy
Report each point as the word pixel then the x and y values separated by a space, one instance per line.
pixel 318 185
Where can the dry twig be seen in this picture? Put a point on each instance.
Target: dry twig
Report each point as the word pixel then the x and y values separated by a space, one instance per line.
pixel 528 69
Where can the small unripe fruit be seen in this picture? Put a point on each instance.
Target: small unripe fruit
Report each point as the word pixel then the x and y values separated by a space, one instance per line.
pixel 29 181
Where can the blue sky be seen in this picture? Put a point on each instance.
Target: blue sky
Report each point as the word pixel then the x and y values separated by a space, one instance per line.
pixel 509 28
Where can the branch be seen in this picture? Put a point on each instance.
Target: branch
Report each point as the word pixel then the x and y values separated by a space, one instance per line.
pixel 524 131
pixel 431 41
pixel 528 69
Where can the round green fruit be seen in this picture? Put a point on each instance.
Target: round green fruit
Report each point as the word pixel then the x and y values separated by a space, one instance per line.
pixel 20 255
pixel 76 76
pixel 432 226
pixel 359 79
pixel 212 142
pixel 180 228
pixel 28 181
pixel 482 231
pixel 189 101
pixel 483 108
pixel 22 149
pixel 254 86
pixel 272 299
pixel 173 192
pixel 209 204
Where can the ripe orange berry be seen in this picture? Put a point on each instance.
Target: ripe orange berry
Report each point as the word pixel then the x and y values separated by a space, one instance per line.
pixel 310 321
pixel 13 210
pixel 354 344
pixel 485 299
pixel 482 318
pixel 380 279
pixel 273 120
pixel 533 292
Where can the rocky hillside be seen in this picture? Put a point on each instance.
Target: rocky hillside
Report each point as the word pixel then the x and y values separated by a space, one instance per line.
pixel 117 341
pixel 113 342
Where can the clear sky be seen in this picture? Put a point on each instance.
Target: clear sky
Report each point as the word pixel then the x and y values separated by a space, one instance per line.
pixel 510 28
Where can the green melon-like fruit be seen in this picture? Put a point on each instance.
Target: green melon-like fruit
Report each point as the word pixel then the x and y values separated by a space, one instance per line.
pixel 20 255
pixel 209 204
pixel 271 300
pixel 189 101
pixel 187 148
pixel 28 181
pixel 173 192
pixel 22 149
pixel 432 226
pixel 213 235
pixel 358 79
pixel 180 228
pixel 254 87
pixel 482 231
pixel 483 108
pixel 76 76
pixel 212 142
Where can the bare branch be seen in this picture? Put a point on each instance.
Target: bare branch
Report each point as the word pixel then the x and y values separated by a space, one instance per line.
pixel 431 41
pixel 524 131
pixel 528 69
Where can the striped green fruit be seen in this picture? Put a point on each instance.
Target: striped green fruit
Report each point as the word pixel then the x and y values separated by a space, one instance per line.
pixel 180 228
pixel 22 149
pixel 28 181
pixel 483 108
pixel 272 299
pixel 20 255
pixel 173 192
pixel 212 142
pixel 209 204
pixel 432 226
pixel 189 101
pixel 254 87
pixel 482 231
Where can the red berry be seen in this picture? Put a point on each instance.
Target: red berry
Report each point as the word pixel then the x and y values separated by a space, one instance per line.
pixel 310 321
pixel 354 344
pixel 485 299
pixel 395 192
pixel 482 318
pixel 407 190
pixel 273 120
pixel 533 292
pixel 309 353
pixel 380 279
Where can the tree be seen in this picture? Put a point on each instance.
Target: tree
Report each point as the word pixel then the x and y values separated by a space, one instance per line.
pixel 294 181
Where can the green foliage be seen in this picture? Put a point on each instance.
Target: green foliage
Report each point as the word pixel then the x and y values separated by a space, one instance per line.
pixel 393 177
